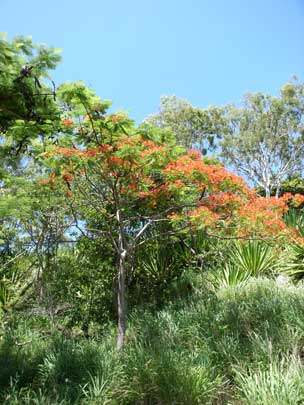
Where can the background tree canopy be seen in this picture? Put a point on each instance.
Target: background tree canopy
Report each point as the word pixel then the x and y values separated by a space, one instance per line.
pixel 192 127
pixel 262 139
pixel 265 140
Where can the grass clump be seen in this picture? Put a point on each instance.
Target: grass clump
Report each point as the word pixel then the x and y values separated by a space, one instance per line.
pixel 282 382
pixel 236 345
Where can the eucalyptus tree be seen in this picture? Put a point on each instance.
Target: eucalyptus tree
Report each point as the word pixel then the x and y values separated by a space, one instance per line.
pixel 265 141
pixel 193 127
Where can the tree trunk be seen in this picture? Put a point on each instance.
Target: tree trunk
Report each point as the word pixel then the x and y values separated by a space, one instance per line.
pixel 121 301
pixel 267 191
pixel 123 252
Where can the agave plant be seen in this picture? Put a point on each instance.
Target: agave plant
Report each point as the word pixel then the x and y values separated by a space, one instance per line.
pixel 295 219
pixel 246 260
pixel 165 263
pixel 12 290
pixel 255 258
pixel 230 276
pixel 294 261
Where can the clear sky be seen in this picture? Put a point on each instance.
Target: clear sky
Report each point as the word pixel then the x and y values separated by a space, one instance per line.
pixel 132 52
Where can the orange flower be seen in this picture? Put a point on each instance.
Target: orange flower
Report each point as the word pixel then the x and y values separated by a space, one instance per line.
pixel 194 154
pixel 143 194
pixel 116 118
pixel 297 200
pixel 116 160
pixel 67 122
pixel 67 177
pixel 66 152
pixel 203 217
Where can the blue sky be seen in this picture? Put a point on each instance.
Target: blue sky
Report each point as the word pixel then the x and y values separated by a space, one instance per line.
pixel 132 52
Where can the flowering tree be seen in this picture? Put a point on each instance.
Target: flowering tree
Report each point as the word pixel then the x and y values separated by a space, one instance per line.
pixel 131 181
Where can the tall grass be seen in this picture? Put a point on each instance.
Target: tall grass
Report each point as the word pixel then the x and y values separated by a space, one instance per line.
pixel 282 382
pixel 210 350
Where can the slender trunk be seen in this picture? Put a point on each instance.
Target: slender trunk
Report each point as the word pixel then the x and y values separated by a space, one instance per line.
pixel 121 301
pixel 266 181
pixel 267 191
pixel 278 191
pixel 121 294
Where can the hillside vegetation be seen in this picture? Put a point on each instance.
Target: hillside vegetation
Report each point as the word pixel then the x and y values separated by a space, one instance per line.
pixel 134 267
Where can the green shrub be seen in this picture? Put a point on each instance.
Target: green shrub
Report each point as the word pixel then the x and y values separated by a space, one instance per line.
pixel 281 383
pixel 255 258
pixel 294 261
pixel 294 218
pixel 229 276
pixel 206 350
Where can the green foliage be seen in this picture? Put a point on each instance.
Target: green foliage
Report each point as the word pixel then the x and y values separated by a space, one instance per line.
pixel 229 276
pixel 294 253
pixel 295 219
pixel 29 113
pixel 255 258
pixel 157 267
pixel 24 98
pixel 281 383
pixel 163 264
pixel 13 290
pixel 292 184
pixel 244 260
pixel 85 285
pixel 265 141
pixel 29 119
pixel 209 350
pixel 191 126
pixel 294 261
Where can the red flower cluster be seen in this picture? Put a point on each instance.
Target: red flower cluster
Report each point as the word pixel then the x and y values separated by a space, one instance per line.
pixel 99 150
pixel 67 177
pixel 216 178
pixel 115 118
pixel 264 205
pixel 126 141
pixel 223 202
pixel 194 154
pixel 116 160
pixel 67 152
pixel 297 200
pixel 67 123
pixel 48 181
pixel 203 217
pixel 263 216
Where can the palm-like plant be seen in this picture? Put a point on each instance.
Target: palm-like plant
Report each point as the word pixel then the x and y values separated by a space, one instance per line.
pixel 295 219
pixel 230 276
pixel 12 290
pixel 246 260
pixel 255 258
pixel 165 263
pixel 294 255
pixel 294 263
